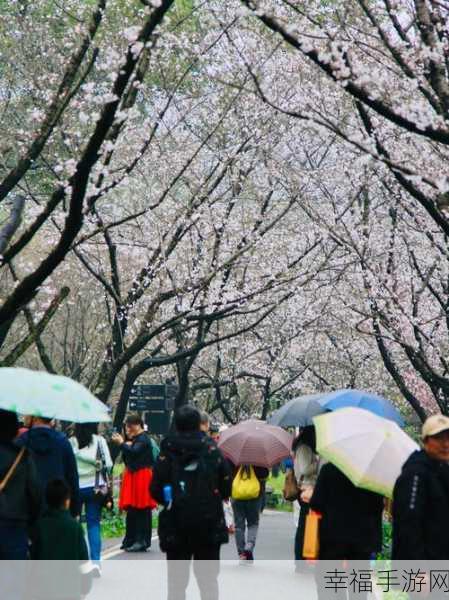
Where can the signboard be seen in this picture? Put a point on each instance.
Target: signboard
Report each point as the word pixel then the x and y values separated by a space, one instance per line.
pixel 148 397
pixel 158 421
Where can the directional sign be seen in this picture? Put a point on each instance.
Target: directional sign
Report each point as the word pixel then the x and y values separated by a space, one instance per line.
pixel 147 397
pixel 149 391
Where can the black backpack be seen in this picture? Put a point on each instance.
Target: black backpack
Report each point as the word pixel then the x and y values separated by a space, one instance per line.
pixel 195 516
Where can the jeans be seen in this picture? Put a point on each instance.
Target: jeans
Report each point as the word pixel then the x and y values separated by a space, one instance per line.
pixel 246 517
pixel 93 518
pixel 206 566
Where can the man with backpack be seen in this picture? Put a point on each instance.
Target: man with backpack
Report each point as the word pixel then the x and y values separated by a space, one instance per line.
pixel 191 479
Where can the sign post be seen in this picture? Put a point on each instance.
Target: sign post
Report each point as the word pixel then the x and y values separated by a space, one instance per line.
pixel 157 402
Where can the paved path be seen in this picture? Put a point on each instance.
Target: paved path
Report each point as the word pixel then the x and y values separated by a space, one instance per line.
pixel 272 576
pixel 274 542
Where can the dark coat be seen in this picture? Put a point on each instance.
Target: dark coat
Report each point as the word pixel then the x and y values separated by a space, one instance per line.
pixel 21 500
pixel 197 521
pixel 186 446
pixel 351 516
pixel 138 455
pixel 421 510
pixel 54 459
pixel 58 536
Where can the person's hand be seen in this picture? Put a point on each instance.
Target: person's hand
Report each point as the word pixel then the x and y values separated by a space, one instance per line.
pixel 306 494
pixel 129 443
pixel 117 439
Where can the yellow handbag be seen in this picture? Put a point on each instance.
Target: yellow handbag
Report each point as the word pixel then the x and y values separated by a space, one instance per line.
pixel 311 545
pixel 245 486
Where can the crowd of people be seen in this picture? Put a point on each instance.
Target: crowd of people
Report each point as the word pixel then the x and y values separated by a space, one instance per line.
pixel 49 479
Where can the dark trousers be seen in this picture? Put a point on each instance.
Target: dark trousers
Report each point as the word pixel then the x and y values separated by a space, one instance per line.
pixel 138 527
pixel 206 566
pixel 13 546
pixel 300 530
pixel 13 542
pixel 246 519
pixel 339 553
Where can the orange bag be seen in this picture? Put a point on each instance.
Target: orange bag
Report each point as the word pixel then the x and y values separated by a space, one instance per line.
pixel 311 545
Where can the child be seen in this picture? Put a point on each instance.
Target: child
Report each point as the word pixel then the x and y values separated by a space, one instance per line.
pixel 58 536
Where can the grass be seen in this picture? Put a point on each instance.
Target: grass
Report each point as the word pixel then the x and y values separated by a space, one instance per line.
pixel 113 524
pixel 274 487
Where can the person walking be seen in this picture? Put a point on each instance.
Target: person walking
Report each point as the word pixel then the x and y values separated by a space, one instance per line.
pixel 135 496
pixel 20 491
pixel 191 480
pixel 305 468
pixel 53 456
pixel 421 498
pixel 350 526
pixel 247 507
pixel 93 460
pixel 58 536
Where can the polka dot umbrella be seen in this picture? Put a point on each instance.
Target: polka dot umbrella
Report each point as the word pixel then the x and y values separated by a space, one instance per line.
pixel 41 394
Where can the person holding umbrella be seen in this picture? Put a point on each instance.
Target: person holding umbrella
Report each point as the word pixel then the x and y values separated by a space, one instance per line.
pixel 365 454
pixel 247 495
pixel 252 447
pixel 54 458
pixel 48 397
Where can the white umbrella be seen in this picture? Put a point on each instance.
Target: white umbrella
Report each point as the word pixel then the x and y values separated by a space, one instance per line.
pixel 41 394
pixel 368 449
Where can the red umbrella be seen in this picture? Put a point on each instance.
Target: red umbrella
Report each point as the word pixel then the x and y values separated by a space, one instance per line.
pixel 254 442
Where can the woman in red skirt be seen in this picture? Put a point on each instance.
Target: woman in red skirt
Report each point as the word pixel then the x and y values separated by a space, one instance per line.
pixel 135 497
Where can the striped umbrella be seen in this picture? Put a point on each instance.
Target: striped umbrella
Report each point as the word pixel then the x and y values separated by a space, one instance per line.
pixel 255 443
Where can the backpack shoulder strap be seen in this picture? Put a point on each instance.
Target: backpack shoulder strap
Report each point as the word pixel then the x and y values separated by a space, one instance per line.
pixel 12 469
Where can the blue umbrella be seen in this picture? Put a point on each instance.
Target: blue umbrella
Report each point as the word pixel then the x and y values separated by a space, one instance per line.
pixel 361 399
pixel 298 412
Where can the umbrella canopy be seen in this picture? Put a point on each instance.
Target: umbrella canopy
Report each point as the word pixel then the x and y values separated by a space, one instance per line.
pixel 361 399
pixel 368 449
pixel 254 442
pixel 298 412
pixel 41 394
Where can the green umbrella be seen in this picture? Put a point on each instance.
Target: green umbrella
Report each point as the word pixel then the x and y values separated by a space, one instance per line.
pixel 41 394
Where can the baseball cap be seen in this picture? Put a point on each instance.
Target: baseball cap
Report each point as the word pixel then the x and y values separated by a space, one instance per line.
pixel 434 425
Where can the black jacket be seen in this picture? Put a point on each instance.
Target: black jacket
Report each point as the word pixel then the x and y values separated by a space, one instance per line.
pixel 138 455
pixel 351 516
pixel 21 500
pixel 421 510
pixel 196 519
pixel 185 446
pixel 54 459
